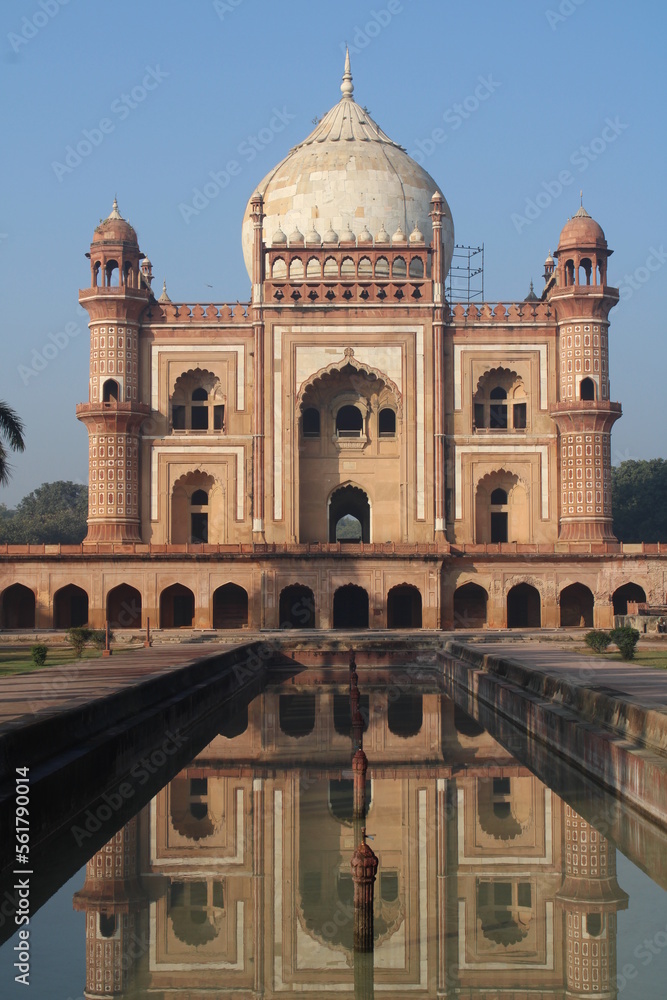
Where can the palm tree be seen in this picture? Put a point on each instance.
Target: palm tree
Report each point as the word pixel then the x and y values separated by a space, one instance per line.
pixel 11 428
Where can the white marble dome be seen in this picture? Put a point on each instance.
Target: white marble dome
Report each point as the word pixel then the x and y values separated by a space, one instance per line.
pixel 347 175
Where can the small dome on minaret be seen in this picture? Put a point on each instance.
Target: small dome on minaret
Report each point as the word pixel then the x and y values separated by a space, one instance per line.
pixel 115 229
pixel 581 231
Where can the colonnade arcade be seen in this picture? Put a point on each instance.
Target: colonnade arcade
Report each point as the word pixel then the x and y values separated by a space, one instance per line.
pixel 233 605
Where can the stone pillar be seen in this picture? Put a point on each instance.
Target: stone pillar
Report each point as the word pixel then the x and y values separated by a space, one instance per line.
pixel 112 900
pixel 437 208
pixel 359 768
pixel 584 413
pixel 590 897
pixel 364 869
pixel 258 380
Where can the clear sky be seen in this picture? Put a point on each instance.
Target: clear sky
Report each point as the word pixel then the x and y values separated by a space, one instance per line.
pixel 497 100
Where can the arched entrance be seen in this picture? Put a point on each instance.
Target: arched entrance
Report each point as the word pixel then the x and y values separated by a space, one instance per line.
pixel 628 592
pixel 297 607
pixel 350 607
pixel 470 602
pixel 230 607
pixel 296 714
pixel 404 607
pixel 405 715
pixel 524 607
pixel 70 607
pixel 177 607
pixel 576 606
pixel 18 607
pixel 124 607
pixel 349 515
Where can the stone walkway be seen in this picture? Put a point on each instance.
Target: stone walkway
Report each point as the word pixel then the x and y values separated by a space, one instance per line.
pixel 646 685
pixel 53 689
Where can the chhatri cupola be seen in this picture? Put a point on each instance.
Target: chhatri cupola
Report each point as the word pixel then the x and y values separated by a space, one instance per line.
pixel 347 180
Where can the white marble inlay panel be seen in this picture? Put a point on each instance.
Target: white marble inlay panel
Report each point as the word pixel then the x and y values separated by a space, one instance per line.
pixel 311 359
pixel 156 966
pixel 507 450
pixel 190 352
pixel 387 358
pixel 499 349
pixel 180 455
pixel 507 963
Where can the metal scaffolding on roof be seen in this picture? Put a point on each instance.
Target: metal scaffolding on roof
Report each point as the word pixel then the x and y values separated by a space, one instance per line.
pixel 465 281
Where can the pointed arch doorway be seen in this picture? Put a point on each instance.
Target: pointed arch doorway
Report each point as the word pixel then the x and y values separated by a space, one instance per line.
pixel 349 515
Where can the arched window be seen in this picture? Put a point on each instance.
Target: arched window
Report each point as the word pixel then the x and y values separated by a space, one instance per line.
pixel 498 408
pixel 399 268
pixel 569 272
pixel 387 422
pixel 279 269
pixel 111 273
pixel 311 422
pixel 416 268
pixel 296 271
pixel 347 268
pixel 199 517
pixel 198 402
pixel 110 391
pixel 382 267
pixel 331 268
pixel 199 413
pixel 313 268
pixel 349 422
pixel 500 401
pixel 587 389
pixel 365 268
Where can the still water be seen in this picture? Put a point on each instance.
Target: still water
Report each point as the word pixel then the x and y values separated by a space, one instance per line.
pixel 236 879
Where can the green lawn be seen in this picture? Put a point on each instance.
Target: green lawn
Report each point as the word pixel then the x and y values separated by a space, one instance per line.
pixel 643 657
pixel 19 661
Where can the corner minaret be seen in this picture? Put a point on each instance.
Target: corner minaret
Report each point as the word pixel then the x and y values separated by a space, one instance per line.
pixel 117 296
pixel 584 415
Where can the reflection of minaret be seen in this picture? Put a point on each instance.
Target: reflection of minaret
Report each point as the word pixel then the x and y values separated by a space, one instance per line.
pixel 111 899
pixel 364 869
pixel 590 896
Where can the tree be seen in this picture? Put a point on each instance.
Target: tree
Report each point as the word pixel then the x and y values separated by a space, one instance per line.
pixel 54 512
pixel 11 429
pixel 638 494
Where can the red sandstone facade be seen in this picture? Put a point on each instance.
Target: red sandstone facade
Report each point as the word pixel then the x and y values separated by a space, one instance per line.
pixel 467 446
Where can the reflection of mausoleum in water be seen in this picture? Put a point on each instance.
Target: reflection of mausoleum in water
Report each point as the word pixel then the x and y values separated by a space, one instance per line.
pixel 237 876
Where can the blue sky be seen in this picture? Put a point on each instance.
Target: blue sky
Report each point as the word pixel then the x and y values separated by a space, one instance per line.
pixel 497 100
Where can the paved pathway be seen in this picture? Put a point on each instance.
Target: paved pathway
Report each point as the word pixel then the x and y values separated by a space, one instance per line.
pixel 55 689
pixel 646 685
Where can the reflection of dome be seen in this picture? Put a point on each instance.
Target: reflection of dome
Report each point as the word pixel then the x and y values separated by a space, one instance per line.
pixel 115 229
pixel 581 231
pixel 349 172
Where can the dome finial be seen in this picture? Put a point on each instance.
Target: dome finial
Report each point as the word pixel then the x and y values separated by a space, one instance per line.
pixel 581 197
pixel 347 87
pixel 115 214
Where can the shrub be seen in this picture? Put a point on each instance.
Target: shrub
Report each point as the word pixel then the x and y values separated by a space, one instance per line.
pixel 98 637
pixel 77 638
pixel 597 640
pixel 38 654
pixel 626 639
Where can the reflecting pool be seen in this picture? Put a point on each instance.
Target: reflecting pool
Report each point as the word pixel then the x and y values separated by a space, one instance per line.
pixel 237 879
